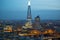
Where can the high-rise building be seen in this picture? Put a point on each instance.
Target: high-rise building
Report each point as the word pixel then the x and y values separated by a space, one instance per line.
pixel 29 17
pixel 37 19
pixel 28 24
pixel 1 31
pixel 37 24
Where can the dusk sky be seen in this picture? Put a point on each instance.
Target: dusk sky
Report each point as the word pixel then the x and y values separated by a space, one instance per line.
pixel 17 9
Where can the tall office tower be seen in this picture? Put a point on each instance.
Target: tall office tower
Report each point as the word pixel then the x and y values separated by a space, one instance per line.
pixel 37 23
pixel 28 24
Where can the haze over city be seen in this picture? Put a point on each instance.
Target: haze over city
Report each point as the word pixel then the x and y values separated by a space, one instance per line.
pixel 17 9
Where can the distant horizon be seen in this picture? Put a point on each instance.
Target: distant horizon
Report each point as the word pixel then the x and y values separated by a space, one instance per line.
pixel 25 20
pixel 19 15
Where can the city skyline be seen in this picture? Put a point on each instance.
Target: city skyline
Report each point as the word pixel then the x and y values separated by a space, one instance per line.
pixel 14 10
pixel 30 20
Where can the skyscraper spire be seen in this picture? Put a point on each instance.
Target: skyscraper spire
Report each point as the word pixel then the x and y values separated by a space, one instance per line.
pixel 29 17
pixel 29 3
pixel 28 24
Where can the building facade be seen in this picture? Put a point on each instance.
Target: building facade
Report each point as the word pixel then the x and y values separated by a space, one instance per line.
pixel 28 23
